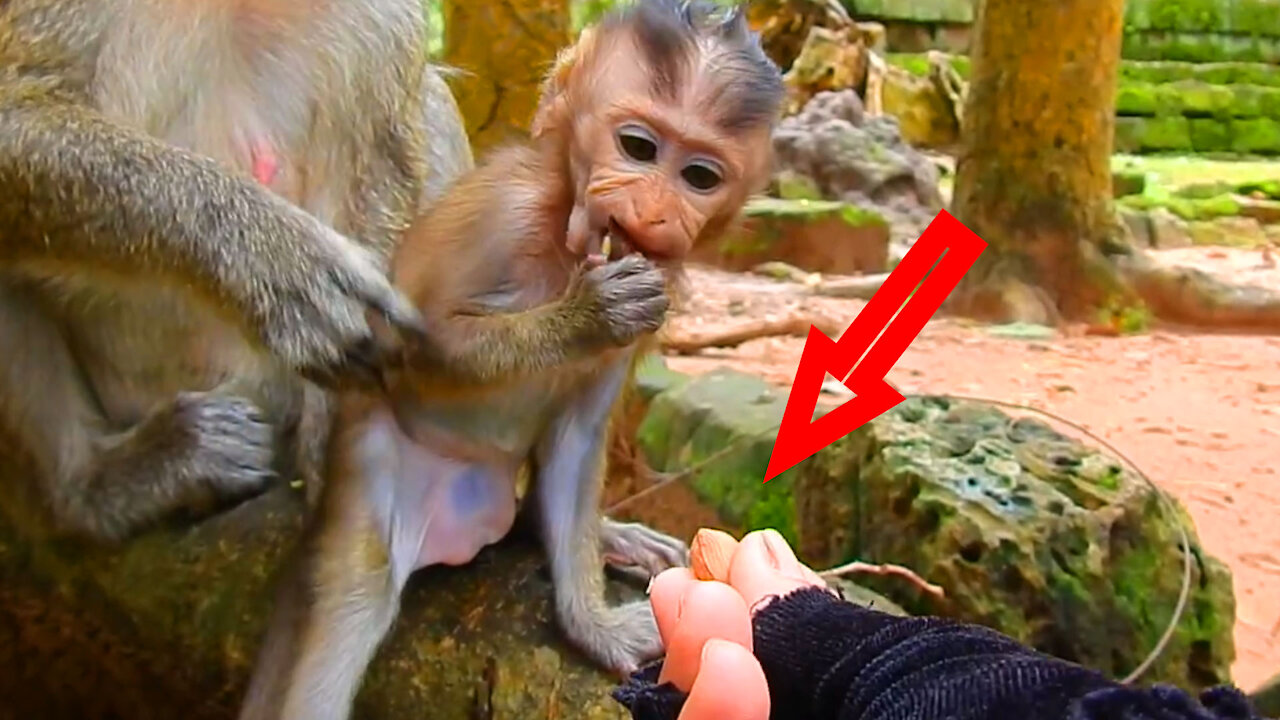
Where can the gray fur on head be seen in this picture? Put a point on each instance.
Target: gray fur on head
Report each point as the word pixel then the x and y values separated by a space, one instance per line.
pixel 671 33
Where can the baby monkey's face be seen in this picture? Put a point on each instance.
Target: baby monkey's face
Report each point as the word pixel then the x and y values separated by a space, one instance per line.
pixel 652 170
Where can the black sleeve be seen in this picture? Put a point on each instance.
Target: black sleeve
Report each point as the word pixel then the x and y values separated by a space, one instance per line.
pixel 828 659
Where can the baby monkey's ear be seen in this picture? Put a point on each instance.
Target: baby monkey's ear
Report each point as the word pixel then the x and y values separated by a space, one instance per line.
pixel 553 102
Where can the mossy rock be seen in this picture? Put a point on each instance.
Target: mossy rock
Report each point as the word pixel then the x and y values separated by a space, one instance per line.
pixel 1199 47
pixel 825 236
pixel 1128 182
pixel 1260 135
pixel 168 626
pixel 1266 699
pixel 1219 73
pixel 1196 99
pixel 1029 531
pixel 916 11
pixel 1210 135
pixel 1155 134
pixel 1187 208
pixel 1238 232
pixel 727 420
pixel 918 63
pixel 1242 17
pixel 1253 17
pixel 1187 15
pixel 1206 190
pixel 1267 188
pixel 925 117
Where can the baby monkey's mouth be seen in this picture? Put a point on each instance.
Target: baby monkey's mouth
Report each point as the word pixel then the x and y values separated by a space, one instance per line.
pixel 613 243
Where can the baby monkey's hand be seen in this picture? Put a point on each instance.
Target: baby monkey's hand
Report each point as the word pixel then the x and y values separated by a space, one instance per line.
pixel 616 303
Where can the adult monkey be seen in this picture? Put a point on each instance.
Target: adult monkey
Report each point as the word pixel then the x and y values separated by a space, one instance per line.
pixel 143 271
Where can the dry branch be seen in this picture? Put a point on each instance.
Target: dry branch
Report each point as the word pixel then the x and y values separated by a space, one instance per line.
pixel 861 568
pixel 791 326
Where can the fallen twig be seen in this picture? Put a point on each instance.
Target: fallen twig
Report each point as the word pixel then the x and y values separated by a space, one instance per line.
pixel 861 287
pixel 858 567
pixel 791 326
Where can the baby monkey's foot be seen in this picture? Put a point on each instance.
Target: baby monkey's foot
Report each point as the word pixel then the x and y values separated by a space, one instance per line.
pixel 640 551
pixel 620 639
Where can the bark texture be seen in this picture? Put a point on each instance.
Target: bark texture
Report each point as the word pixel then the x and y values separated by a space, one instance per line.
pixel 503 48
pixel 1034 177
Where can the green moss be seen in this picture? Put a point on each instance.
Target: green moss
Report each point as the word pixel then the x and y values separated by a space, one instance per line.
pixel 856 216
pixel 1269 188
pixel 794 186
pixel 1166 133
pixel 1187 208
pixel 1199 47
pixel 1210 135
pixel 1215 73
pixel 920 11
pixel 1136 98
pixel 1128 182
pixel 1260 135
pixel 918 63
pixel 1254 17
pixel 1192 15
pixel 1198 99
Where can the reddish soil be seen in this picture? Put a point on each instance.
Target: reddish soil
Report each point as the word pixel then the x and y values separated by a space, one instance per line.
pixel 1198 412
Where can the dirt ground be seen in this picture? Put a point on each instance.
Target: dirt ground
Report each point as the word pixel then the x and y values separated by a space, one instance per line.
pixel 1198 412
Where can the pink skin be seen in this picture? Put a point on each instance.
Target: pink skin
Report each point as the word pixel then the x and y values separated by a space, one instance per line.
pixel 706 627
pixel 266 164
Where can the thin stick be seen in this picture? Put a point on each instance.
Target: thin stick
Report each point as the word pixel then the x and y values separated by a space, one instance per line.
pixel 858 567
pixel 791 326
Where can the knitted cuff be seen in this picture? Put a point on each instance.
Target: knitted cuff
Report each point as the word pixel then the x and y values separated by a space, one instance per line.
pixel 646 699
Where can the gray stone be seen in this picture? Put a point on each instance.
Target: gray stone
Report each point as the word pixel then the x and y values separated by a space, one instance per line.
pixel 1028 531
pixel 1139 225
pixel 859 160
pixel 1168 231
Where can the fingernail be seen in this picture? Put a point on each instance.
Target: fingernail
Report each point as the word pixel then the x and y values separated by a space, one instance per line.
pixel 716 646
pixel 779 552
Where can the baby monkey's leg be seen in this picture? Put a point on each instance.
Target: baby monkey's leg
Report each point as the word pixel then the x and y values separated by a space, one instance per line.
pixel 571 464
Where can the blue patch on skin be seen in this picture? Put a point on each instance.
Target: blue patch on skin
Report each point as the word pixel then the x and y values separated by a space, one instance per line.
pixel 470 491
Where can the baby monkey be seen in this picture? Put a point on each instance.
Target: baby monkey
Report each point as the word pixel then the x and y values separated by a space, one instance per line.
pixel 652 132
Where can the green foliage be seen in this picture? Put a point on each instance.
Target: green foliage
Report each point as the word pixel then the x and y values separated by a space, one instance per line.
pixel 587 12
pixel 435 27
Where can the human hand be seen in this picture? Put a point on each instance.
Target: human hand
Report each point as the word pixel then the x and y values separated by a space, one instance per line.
pixel 706 624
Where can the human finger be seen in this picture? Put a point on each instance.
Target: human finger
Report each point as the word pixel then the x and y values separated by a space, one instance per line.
pixel 665 595
pixel 709 609
pixel 765 566
pixel 729 686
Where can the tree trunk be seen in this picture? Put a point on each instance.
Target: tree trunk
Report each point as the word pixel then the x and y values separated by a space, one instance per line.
pixel 1034 177
pixel 503 48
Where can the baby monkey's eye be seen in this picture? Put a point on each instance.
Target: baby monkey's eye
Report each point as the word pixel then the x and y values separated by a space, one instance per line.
pixel 638 143
pixel 702 175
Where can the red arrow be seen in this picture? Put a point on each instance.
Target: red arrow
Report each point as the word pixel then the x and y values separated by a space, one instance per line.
pixel 949 249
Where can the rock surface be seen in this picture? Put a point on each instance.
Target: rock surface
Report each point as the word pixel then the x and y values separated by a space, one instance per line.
pixel 167 626
pixel 826 236
pixel 1028 531
pixel 1267 698
pixel 859 160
